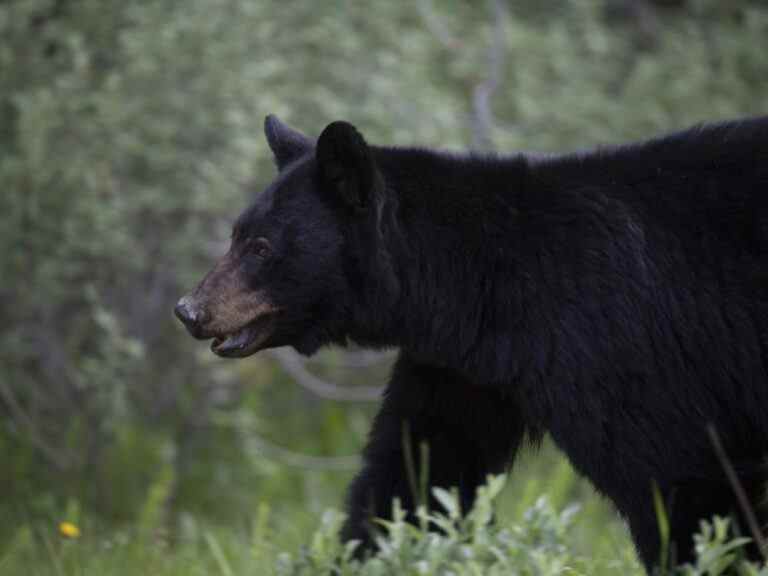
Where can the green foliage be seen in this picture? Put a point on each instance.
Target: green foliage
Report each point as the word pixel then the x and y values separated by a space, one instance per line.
pixel 540 543
pixel 130 136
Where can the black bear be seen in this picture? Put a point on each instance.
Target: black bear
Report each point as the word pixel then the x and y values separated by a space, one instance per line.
pixel 615 299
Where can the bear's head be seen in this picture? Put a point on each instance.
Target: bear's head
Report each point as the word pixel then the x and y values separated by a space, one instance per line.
pixel 303 255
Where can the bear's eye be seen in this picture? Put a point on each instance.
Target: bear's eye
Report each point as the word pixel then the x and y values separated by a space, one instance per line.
pixel 259 247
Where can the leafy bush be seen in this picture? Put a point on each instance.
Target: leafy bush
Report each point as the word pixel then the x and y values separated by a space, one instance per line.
pixel 540 544
pixel 130 137
pixel 469 545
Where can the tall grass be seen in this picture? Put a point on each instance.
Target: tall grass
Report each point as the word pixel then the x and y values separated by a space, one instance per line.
pixel 540 542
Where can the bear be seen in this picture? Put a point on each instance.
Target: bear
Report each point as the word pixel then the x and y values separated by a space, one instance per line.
pixel 615 299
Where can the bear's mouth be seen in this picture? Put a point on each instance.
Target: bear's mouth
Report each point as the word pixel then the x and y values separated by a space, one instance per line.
pixel 246 341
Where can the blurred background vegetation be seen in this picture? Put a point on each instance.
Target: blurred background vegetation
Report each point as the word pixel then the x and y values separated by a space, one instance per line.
pixel 130 137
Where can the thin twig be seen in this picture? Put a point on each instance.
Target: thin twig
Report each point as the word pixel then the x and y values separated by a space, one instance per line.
pixel 483 120
pixel 359 358
pixel 304 461
pixel 289 457
pixel 293 365
pixel 741 495
pixel 436 27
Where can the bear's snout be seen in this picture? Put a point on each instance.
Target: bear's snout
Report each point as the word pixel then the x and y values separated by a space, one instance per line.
pixel 190 315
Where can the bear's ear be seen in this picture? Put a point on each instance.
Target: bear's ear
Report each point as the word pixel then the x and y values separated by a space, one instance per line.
pixel 286 143
pixel 346 168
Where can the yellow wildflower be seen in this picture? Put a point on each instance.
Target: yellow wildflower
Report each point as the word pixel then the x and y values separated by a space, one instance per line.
pixel 69 530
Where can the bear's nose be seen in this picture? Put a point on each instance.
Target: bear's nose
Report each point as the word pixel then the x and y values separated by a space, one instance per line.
pixel 190 316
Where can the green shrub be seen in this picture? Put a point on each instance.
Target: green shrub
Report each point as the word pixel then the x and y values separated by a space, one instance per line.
pixel 539 544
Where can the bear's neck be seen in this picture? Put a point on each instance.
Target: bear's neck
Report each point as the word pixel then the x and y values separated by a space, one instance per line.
pixel 476 243
pixel 454 222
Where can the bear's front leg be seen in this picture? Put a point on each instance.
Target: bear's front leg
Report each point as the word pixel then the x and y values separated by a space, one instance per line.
pixel 470 432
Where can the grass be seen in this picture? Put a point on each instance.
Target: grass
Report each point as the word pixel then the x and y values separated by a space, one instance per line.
pixel 548 522
pixel 540 542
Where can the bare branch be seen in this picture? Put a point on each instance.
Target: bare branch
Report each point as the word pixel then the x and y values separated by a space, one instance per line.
pixel 289 457
pixel 361 358
pixel 482 119
pixel 436 27
pixel 291 362
pixel 298 460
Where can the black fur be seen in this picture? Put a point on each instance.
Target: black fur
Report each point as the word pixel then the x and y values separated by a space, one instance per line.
pixel 615 299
